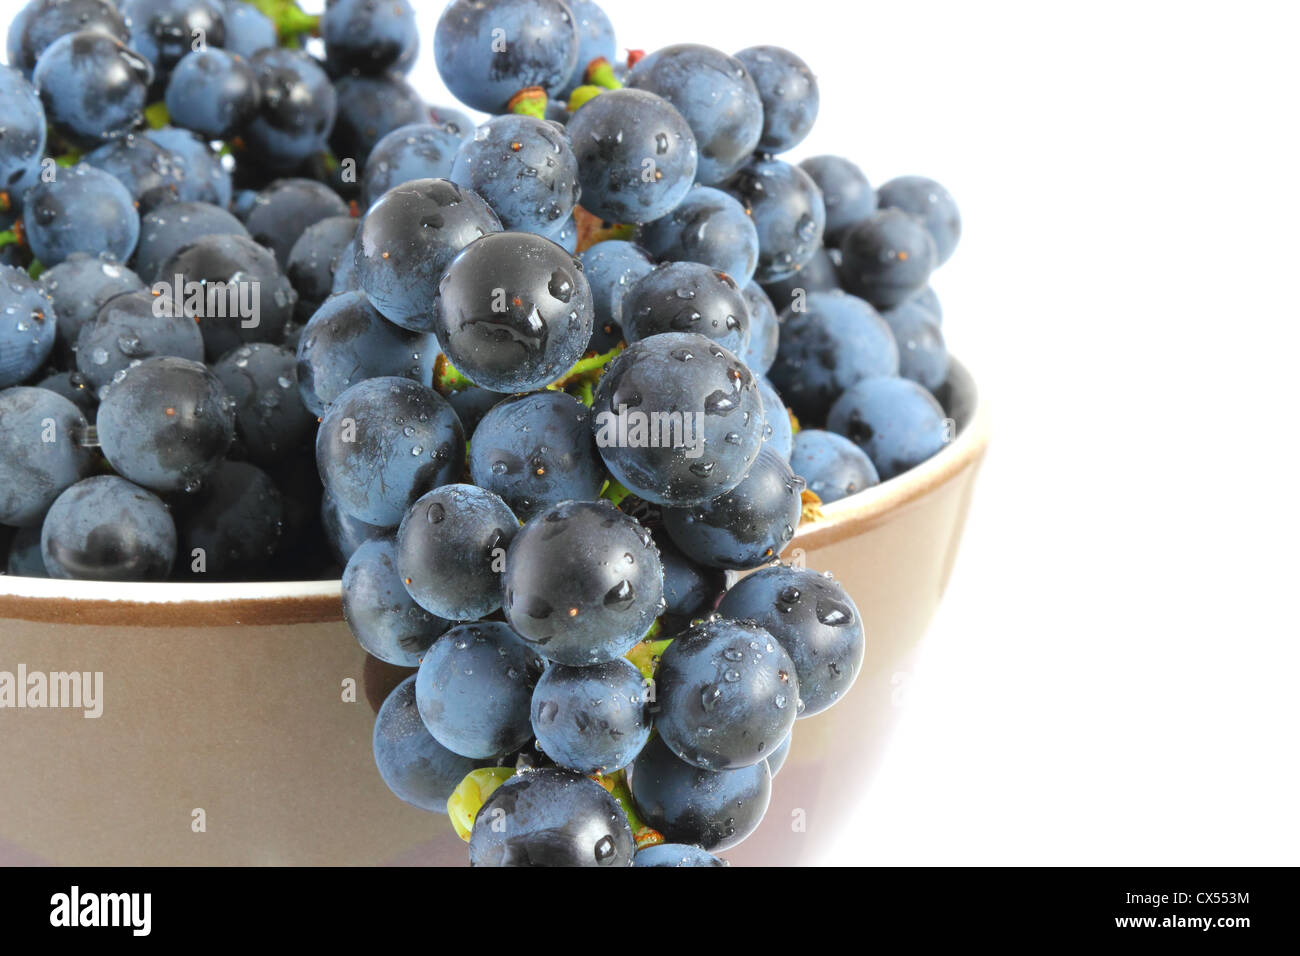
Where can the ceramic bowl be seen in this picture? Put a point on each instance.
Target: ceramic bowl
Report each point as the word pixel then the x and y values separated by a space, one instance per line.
pixel 235 719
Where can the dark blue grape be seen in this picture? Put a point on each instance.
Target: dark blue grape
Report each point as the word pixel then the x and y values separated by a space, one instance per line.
pixel 713 809
pixel 41 22
pixel 452 120
pixel 687 297
pixel 487 53
pixel 164 31
pixel 611 268
pixel 248 29
pixel 347 342
pixel 813 618
pixel 131 327
pixel 474 687
pixel 381 614
pixel 202 177
pixel 514 312
pixel 636 155
pixel 930 202
pixel 675 854
pixel 416 767
pixel 471 404
pixel 789 93
pixel 726 694
pixel 776 759
pixel 27 326
pixel 567 237
pixel 385 442
pixel 708 226
pixel 595 40
pixel 94 88
pixel 778 431
pixel 591 719
pixel 271 420
pixel 22 142
pixel 107 529
pixel 690 589
pixel 895 421
pixel 314 260
pixel 535 451
pixel 698 421
pixel 788 212
pixel 837 341
pixel 408 238
pixel 212 92
pixel 715 95
pixel 24 558
pixel 231 528
pixel 926 299
pixel 833 466
pixel 367 36
pixel 583 582
pixel 234 288
pixel 41 452
pixel 525 170
pixel 887 258
pixel 297 108
pixel 816 275
pixel 451 550
pixel 550 817
pixel 82 209
pixel 748 525
pixel 166 230
pixel 74 387
pixel 416 151
pixel 848 196
pixel 283 211
pixel 166 423
pixel 371 107
pixel 764 330
pixel 150 172
pixel 922 354
pixel 343 533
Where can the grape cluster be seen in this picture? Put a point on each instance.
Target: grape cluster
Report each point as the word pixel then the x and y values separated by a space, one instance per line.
pixel 537 388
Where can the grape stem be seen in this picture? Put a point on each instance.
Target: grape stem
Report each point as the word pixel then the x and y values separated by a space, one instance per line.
pixel 291 21
pixel 600 73
pixel 530 101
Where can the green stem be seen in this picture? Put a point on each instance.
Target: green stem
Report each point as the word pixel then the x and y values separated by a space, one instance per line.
pixel 614 492
pixel 446 378
pixel 10 237
pixel 70 158
pixel 530 101
pixel 600 73
pixel 582 95
pixel 586 366
pixel 157 115
pixel 35 269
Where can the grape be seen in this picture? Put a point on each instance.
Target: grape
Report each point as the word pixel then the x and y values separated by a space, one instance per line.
pixel 213 93
pixel 928 300
pixel 525 170
pixel 416 767
pixel 79 286
pixel 151 173
pixel 591 719
pixel 131 327
pixel 764 330
pixel 816 275
pixel 833 466
pixel 94 88
pixel 314 260
pixel 248 29
pixel 82 209
pixel 271 420
pixel 107 529
pixel 787 210
pixel 714 94
pixel 848 196
pixel 385 442
pixel 366 36
pixel 487 53
pixel 368 109
pixel 837 341
pixel 27 326
pixel 451 549
pixel 714 809
pixel 675 854
pixel 382 616
pixel 789 93
pixel 347 342
pixel 711 227
pixel 232 526
pixel 473 689
pixel 595 40
pixel 166 230
pixel 343 533
pixel 551 817
pixel 611 268
pixel 23 142
pixel 582 582
pixel 776 759
pixel 471 404
pixel 888 258
pixel 813 618
pixel 690 588
pixel 922 354
pixel 166 423
pixel 41 22
pixel 41 454
pixel 895 421
pixel 407 239
pixel 283 211
pixel 74 387
pixel 537 450
pixel 715 396
pixel 746 526
pixel 297 108
pixel 636 155
pixel 514 312
pixel 687 297
pixel 415 151
pixel 932 204
pixel 203 178
pixel 24 554
pixel 164 31
pixel 778 432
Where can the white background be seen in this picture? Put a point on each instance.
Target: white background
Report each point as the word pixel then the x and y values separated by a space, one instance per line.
pixel 1112 676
